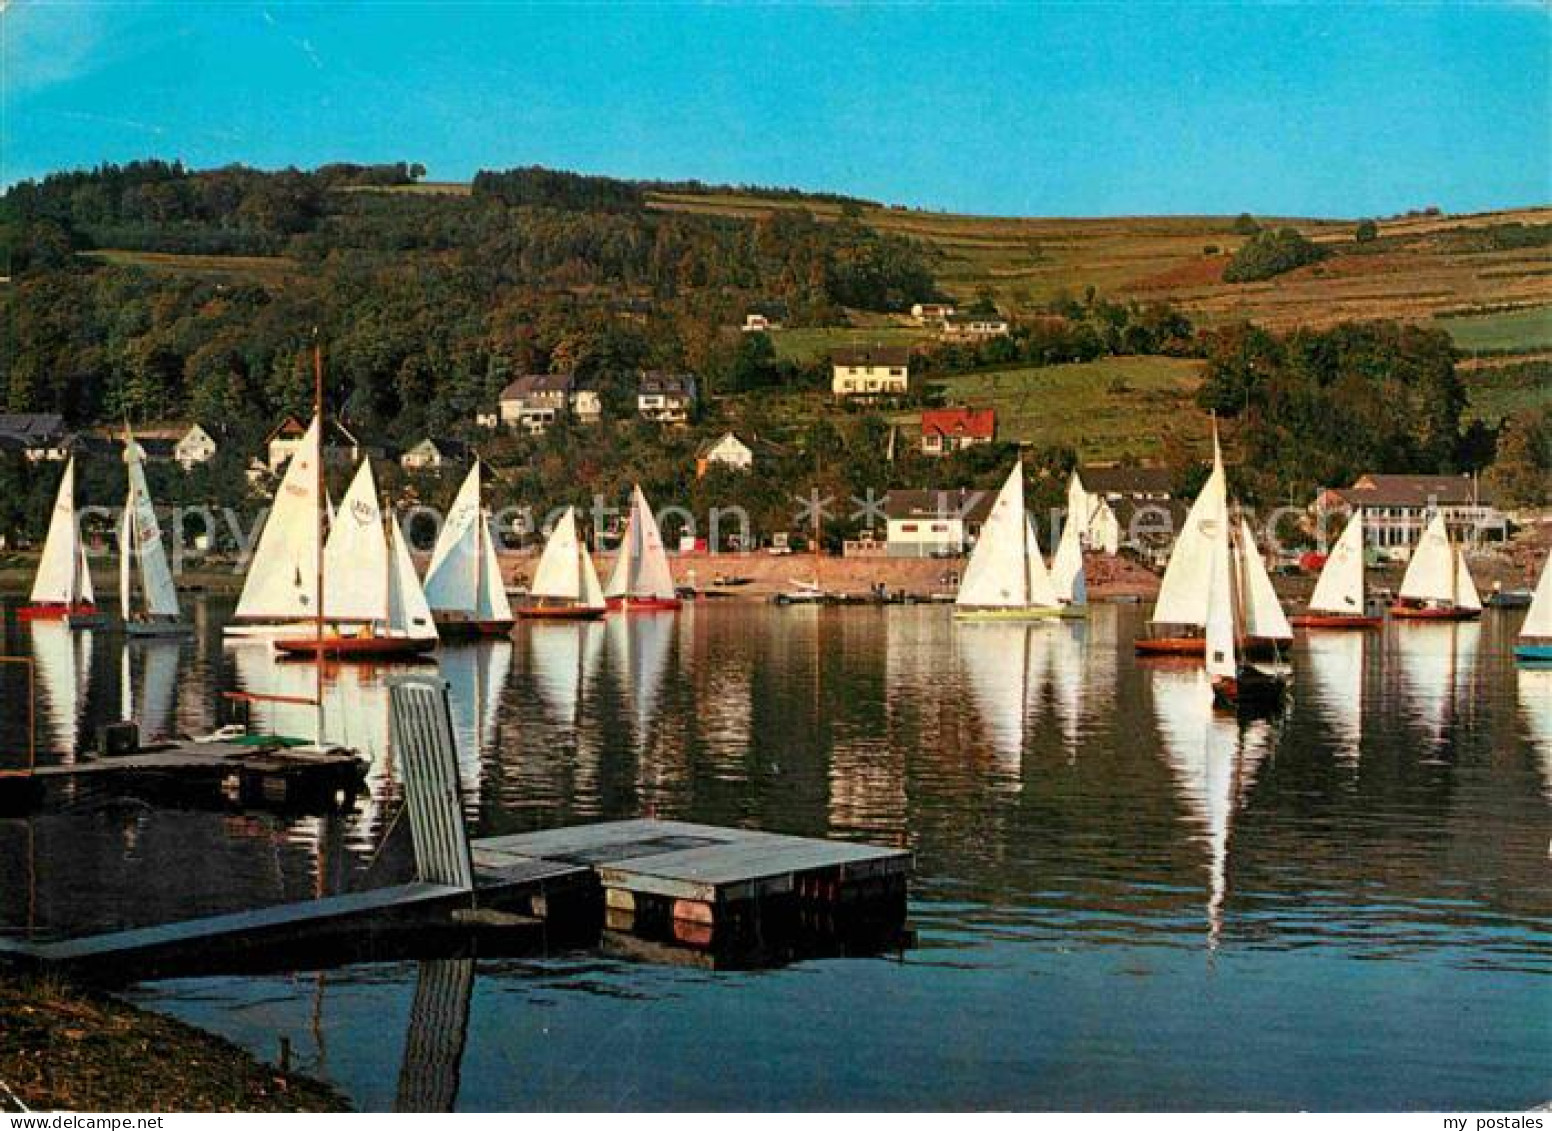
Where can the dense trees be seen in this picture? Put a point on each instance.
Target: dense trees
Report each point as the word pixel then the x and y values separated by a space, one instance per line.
pixel 1269 253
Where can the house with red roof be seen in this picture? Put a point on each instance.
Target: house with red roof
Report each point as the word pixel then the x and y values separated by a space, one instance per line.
pixel 945 430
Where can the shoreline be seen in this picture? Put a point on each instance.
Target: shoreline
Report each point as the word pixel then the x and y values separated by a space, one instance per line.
pixel 66 1048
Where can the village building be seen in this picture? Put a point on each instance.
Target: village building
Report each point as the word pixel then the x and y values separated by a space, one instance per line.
pixel 194 447
pixel 765 317
pixel 38 436
pixel 927 313
pixel 870 371
pixel 1396 509
pixel 436 454
pixel 934 524
pixel 726 450
pixel 340 445
pixel 534 401
pixel 974 328
pixel 666 398
pixel 1120 507
pixel 945 430
pixel 587 407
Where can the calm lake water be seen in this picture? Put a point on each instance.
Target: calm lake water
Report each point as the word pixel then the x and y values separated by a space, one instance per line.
pixel 1122 900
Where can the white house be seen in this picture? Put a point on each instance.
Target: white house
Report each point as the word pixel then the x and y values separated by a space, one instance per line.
pixel 586 406
pixel 934 524
pixel 37 435
pixel 194 447
pixel 725 451
pixel 974 328
pixel 435 454
pixel 870 371
pixel 926 313
pixel 1396 508
pixel 535 401
pixel 667 398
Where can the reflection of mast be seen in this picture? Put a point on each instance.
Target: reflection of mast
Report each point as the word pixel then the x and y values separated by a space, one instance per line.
pixel 434 1043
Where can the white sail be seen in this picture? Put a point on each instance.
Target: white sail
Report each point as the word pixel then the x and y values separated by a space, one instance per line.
pixel 408 613
pixel 1104 529
pixel 145 540
pixel 1221 621
pixel 355 558
pixel 1262 612
pixel 1340 588
pixel 282 579
pixel 1042 593
pixel 1466 595
pixel 1538 620
pixel 1183 591
pixel 453 578
pixel 1000 574
pixel 559 574
pixel 491 603
pixel 1067 565
pixel 592 592
pixel 642 570
pixel 62 576
pixel 126 576
pixel 1431 574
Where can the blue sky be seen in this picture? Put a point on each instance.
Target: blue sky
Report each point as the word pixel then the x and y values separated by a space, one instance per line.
pixel 1048 109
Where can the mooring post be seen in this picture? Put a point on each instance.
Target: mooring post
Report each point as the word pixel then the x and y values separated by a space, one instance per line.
pixel 421 729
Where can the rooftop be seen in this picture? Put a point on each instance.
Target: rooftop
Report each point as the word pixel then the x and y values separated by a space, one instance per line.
pixel 1126 480
pixel 874 355
pixel 976 423
pixel 531 384
pixel 1416 491
pixel 937 505
pixel 34 427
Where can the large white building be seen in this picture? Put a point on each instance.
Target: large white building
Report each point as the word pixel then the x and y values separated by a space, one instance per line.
pixel 934 524
pixel 870 371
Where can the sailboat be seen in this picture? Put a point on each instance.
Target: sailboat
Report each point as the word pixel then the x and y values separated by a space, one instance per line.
pixel 62 589
pixel 1437 584
pixel 1067 576
pixel 370 581
pixel 280 592
pixel 641 579
pixel 1006 578
pixel 463 583
pixel 1535 639
pixel 565 586
pixel 1183 592
pixel 1338 600
pixel 1241 604
pixel 141 553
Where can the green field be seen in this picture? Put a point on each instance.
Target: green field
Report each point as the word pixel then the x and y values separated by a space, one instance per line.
pixel 810 343
pixel 1518 331
pixel 1493 393
pixel 258 268
pixel 1142 407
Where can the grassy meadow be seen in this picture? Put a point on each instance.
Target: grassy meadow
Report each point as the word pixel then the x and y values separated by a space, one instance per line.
pixel 1509 331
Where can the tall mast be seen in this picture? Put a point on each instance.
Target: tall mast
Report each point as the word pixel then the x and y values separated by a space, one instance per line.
pixel 318 545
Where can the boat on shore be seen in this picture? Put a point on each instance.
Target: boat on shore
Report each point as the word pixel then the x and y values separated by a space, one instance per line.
pixel 463 582
pixel 565 584
pixel 1340 599
pixel 62 589
pixel 1534 642
pixel 151 608
pixel 1437 584
pixel 641 580
pixel 1006 578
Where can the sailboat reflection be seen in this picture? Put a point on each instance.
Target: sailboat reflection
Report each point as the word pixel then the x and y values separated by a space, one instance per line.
pixel 151 709
pixel 1535 685
pixel 1437 661
pixel 476 675
pixel 1005 669
pixel 1336 664
pixel 434 1040
pixel 563 655
pixel 1214 758
pixel 63 658
pixel 639 648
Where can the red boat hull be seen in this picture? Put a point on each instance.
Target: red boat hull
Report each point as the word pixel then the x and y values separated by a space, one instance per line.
pixel 355 647
pixel 55 612
pixel 1255 649
pixel 558 612
pixel 1334 620
pixel 1417 612
pixel 644 604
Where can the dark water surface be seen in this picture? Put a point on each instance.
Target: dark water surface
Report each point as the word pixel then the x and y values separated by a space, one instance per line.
pixel 1122 901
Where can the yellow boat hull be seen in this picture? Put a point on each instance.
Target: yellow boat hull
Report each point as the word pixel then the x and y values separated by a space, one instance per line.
pixel 1033 613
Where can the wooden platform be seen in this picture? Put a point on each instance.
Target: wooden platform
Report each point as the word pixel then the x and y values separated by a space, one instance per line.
pixel 242 773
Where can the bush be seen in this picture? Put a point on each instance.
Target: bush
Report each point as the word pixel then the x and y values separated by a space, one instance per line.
pixel 1366 232
pixel 1270 253
pixel 1245 224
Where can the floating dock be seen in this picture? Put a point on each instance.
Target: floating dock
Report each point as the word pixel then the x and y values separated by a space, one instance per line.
pixel 678 884
pixel 248 774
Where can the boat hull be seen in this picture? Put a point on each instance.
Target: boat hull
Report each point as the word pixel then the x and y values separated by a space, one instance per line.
pixel 1041 612
pixel 355 647
pixel 1534 653
pixel 154 628
pixel 56 611
pixel 460 628
pixel 558 612
pixel 1421 612
pixel 644 604
pixel 1250 690
pixel 1335 620
pixel 1176 646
